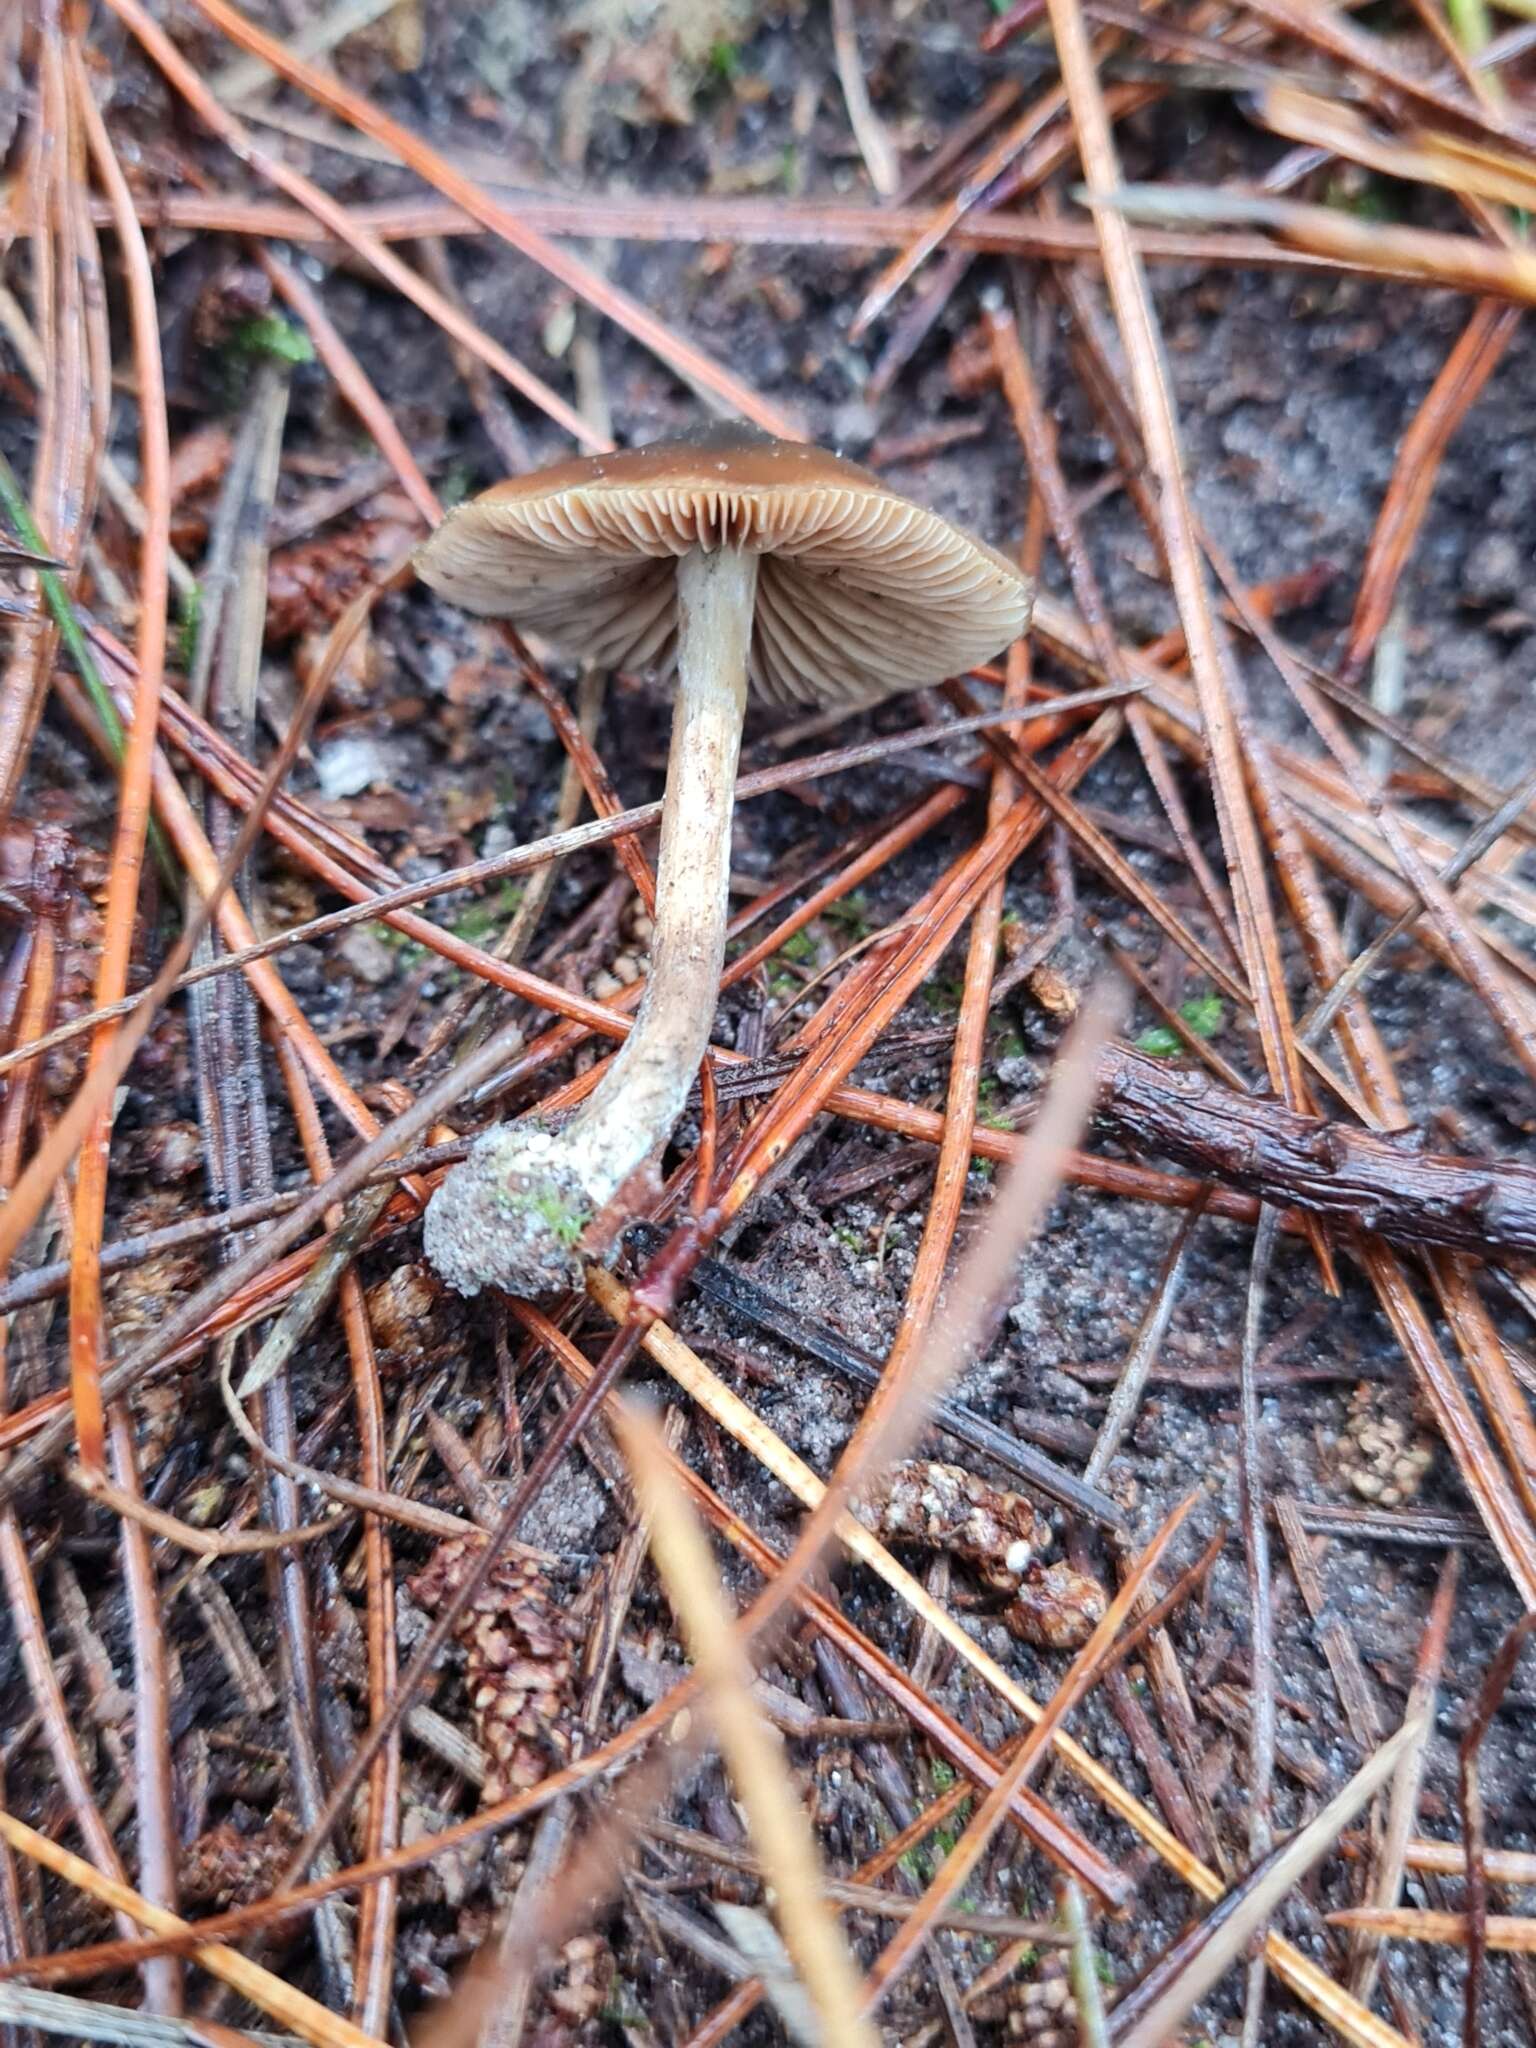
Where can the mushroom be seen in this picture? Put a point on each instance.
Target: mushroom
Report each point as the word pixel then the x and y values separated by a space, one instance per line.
pixel 728 560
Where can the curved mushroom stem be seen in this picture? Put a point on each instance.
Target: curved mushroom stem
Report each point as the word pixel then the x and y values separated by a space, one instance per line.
pixel 515 1214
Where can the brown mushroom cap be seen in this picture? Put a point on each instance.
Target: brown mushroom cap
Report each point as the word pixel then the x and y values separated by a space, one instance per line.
pixel 860 592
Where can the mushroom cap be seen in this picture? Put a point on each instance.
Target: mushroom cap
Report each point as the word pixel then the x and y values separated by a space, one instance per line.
pixel 860 592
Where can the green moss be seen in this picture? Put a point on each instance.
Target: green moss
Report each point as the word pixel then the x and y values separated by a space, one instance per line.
pixel 799 947
pixel 945 1838
pixel 566 1222
pixel 921 1861
pixel 455 487
pixel 1204 1015
pixel 1367 199
pixel 852 912
pixel 489 915
pixel 269 334
pixel 189 624
pixel 1160 1043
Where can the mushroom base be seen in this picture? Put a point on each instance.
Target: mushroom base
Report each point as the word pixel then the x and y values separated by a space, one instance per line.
pixel 512 1215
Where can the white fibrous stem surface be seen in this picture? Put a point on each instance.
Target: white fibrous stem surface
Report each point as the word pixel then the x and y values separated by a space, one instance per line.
pixel 516 1213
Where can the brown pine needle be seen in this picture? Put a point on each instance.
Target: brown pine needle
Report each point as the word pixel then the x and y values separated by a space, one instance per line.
pixel 1449 1859
pixel 753 1750
pixel 1405 1923
pixel 1200 1960
pixel 687 361
pixel 291 2008
pixel 1228 739
pixel 86 1334
pixel 1380 248
pixel 1310 1983
pixel 980 1830
pixel 1403 1807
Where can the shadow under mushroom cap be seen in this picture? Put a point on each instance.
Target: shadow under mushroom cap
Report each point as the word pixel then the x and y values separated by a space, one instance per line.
pixel 860 591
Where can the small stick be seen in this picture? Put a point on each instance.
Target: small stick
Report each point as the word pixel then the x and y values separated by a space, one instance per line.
pixel 1474 1818
pixel 1364 1949
pixel 1261 1624
pixel 1142 1357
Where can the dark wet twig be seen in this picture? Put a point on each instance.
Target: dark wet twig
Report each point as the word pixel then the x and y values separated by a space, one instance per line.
pixel 1332 1169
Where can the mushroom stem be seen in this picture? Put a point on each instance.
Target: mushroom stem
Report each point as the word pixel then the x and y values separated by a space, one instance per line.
pixel 515 1214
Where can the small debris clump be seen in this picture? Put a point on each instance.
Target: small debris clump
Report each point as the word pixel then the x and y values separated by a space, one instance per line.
pixel 947 1508
pixel 224 1867
pixel 1038 2009
pixel 1384 1453
pixel 1055 1607
pixel 577 1995
pixel 1000 1534
pixel 413 1318
pixel 633 959
pixel 517 1664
